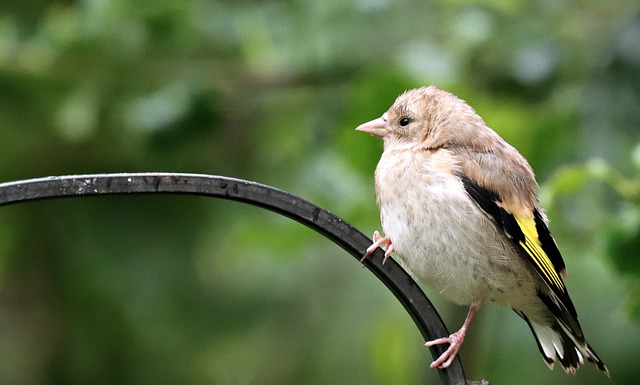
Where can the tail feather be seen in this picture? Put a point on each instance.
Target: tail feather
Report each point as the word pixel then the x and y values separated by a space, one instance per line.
pixel 557 343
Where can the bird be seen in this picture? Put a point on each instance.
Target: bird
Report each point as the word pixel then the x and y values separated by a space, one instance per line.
pixel 459 206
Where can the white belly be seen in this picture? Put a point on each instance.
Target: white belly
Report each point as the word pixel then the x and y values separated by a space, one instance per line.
pixel 445 240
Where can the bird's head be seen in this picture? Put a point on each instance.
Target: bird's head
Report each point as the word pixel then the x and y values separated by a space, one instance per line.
pixel 427 117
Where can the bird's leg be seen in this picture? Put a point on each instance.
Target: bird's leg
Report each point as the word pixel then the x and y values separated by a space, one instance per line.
pixel 454 341
pixel 379 241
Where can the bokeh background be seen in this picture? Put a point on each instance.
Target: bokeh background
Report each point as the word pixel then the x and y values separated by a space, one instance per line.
pixel 184 290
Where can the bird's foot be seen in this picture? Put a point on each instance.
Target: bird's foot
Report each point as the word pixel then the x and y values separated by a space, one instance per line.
pixel 379 241
pixel 446 358
pixel 454 341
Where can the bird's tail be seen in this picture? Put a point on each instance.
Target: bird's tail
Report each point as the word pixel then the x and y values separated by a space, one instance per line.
pixel 558 343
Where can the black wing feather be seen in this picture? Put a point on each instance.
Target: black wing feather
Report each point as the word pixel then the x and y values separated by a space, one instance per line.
pixel 559 303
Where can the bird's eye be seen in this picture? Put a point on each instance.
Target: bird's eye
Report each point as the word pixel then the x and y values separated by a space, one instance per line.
pixel 404 121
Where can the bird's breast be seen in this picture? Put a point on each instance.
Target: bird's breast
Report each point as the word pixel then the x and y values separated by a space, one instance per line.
pixel 438 231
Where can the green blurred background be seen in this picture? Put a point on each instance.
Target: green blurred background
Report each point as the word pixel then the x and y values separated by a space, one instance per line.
pixel 184 290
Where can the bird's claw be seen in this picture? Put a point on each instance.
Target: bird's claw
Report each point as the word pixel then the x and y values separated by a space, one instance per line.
pixel 454 341
pixel 379 241
pixel 446 358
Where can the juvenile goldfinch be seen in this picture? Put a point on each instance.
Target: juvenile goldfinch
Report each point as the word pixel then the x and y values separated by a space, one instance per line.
pixel 459 206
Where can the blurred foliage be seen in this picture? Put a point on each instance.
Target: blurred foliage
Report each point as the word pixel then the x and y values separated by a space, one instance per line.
pixel 167 290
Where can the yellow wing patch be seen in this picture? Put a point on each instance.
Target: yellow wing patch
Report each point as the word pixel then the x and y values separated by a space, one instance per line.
pixel 533 247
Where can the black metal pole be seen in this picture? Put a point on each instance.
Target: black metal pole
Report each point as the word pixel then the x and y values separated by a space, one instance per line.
pixel 346 236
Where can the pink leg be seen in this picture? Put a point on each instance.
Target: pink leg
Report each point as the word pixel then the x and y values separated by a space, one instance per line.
pixel 379 241
pixel 454 341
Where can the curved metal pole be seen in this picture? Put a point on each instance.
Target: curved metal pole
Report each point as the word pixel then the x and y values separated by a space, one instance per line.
pixel 340 232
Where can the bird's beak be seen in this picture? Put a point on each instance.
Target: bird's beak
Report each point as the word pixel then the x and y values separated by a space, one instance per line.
pixel 377 127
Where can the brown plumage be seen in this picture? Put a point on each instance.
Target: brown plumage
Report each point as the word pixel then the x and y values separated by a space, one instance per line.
pixel 459 206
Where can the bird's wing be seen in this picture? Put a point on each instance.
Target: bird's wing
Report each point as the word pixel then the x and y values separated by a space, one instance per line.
pixel 531 236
